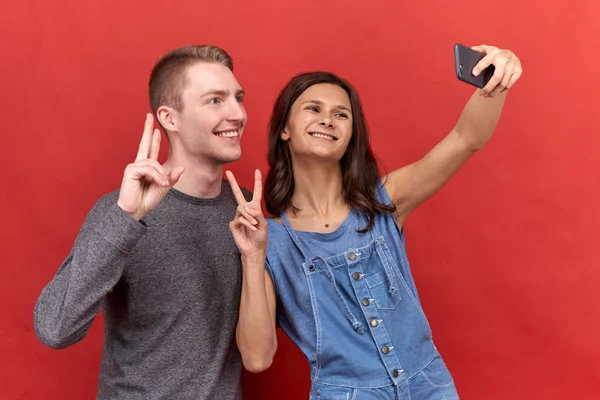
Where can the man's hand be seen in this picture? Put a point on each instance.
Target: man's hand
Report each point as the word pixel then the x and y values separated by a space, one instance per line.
pixel 145 182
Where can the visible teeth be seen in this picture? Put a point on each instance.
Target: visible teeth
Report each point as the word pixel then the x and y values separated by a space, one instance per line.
pixel 228 134
pixel 322 136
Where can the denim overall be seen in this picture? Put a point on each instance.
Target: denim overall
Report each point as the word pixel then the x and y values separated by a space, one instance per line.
pixel 348 301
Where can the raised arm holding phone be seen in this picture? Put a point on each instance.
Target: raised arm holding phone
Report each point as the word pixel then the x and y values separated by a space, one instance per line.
pixel 335 257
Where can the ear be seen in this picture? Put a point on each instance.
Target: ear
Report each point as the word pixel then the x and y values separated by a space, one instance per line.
pixel 167 117
pixel 285 136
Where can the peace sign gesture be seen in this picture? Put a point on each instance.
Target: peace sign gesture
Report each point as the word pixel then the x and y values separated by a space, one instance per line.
pixel 249 227
pixel 145 182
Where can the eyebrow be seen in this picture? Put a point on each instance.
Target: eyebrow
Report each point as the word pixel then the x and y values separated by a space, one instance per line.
pixel 222 93
pixel 319 102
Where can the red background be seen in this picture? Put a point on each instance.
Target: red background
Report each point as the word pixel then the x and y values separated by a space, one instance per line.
pixel 505 256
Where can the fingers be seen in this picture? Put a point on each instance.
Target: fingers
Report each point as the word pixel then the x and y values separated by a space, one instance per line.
pixel 515 77
pixel 151 169
pixel 509 70
pixel 250 211
pixel 146 142
pixel 139 172
pixel 244 221
pixel 235 188
pixel 249 217
pixel 152 163
pixel 256 197
pixel 237 192
pixel 496 78
pixel 484 49
pixel 148 168
pixel 481 65
pixel 155 146
pixel 247 212
pixel 490 53
pixel 503 85
pixel 240 221
pixel 255 211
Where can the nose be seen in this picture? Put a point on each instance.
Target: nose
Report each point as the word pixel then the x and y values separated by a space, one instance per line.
pixel 327 124
pixel 236 112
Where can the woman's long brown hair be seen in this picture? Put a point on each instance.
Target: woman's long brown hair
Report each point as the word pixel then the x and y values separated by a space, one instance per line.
pixel 360 175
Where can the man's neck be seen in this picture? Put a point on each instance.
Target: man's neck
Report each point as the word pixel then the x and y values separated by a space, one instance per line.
pixel 200 179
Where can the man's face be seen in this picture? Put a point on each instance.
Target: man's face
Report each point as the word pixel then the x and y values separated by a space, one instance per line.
pixel 212 120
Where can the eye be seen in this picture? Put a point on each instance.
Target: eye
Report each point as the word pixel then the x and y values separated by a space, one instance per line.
pixel 214 100
pixel 341 115
pixel 239 99
pixel 312 108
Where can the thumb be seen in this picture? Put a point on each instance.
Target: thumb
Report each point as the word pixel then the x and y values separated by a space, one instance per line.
pixel 175 174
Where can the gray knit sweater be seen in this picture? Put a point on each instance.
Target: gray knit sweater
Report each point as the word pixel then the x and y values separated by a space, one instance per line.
pixel 169 287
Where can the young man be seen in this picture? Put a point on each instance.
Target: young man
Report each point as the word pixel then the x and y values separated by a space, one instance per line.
pixel 157 255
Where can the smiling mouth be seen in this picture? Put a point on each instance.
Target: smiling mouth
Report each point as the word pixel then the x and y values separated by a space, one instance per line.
pixel 228 134
pixel 322 135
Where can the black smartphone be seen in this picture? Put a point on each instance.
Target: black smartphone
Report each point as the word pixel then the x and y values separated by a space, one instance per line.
pixel 465 59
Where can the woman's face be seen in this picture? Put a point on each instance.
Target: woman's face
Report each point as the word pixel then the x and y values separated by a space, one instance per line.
pixel 319 123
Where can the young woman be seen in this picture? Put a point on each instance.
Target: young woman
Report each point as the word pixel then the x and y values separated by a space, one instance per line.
pixel 337 279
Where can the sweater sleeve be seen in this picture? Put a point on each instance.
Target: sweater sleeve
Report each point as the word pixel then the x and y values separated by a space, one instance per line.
pixel 68 304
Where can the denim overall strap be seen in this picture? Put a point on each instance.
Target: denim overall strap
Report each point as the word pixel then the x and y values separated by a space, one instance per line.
pixel 356 324
pixel 389 274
